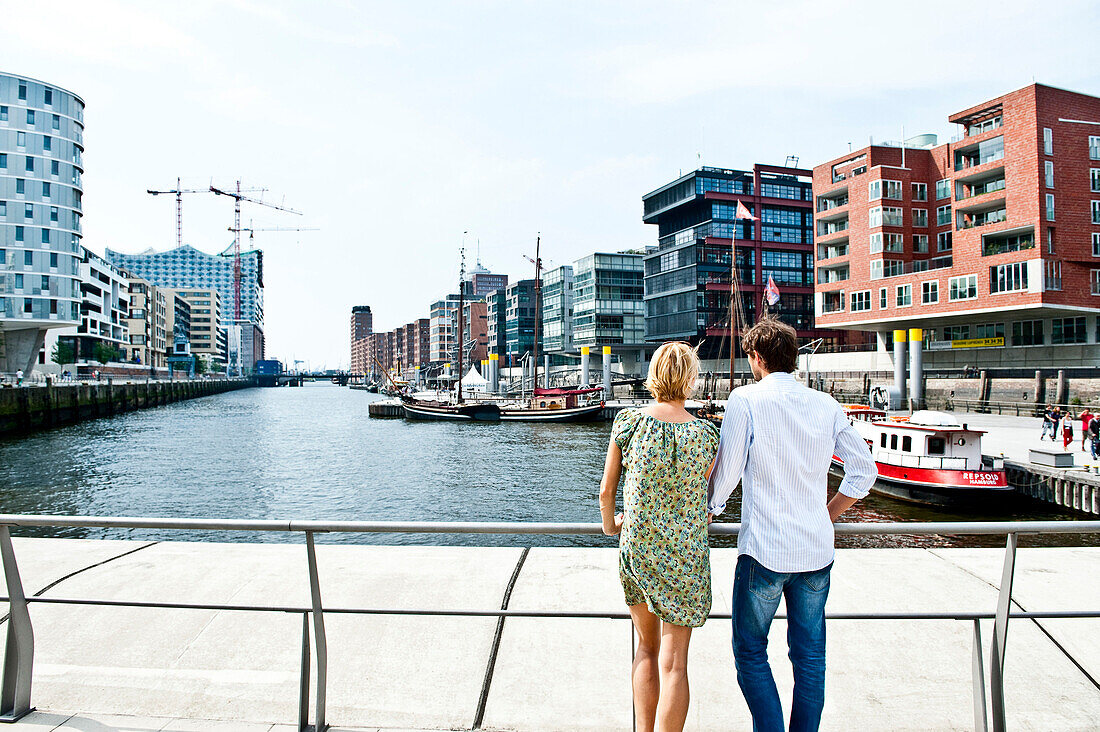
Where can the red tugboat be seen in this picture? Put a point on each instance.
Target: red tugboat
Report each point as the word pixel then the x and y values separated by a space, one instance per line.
pixel 927 457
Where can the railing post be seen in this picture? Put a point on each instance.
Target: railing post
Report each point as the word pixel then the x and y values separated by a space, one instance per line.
pixel 978 674
pixel 15 697
pixel 303 683
pixel 1000 633
pixel 318 634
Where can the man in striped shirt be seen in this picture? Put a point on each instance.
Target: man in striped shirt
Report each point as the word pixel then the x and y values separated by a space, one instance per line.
pixel 778 440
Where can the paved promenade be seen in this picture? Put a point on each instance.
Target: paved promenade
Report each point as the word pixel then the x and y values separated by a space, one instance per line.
pixel 177 669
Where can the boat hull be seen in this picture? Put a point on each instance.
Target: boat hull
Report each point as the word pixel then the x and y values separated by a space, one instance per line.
pixel 592 413
pixel 451 412
pixel 935 487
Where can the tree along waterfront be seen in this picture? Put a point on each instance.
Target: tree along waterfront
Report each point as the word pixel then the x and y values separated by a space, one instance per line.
pixel 313 453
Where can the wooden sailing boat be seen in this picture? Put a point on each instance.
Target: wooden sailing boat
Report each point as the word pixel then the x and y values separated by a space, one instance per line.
pixel 436 410
pixel 551 405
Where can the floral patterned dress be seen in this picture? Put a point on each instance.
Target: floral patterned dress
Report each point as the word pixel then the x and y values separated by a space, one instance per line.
pixel 664 556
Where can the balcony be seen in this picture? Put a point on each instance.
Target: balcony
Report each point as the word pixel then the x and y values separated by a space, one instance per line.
pixel 833 302
pixel 979 187
pixel 826 275
pixel 970 219
pixel 831 251
pixel 829 228
pixel 983 152
pixel 834 200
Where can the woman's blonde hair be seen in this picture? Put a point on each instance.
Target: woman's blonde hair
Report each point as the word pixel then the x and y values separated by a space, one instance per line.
pixel 672 372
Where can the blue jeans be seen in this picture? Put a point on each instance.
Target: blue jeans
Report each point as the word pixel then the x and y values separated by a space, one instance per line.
pixel 756 593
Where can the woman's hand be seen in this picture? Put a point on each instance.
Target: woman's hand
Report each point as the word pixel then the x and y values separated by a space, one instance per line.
pixel 616 526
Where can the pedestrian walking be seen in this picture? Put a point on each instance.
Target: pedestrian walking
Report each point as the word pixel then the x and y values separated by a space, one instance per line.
pixel 1048 423
pixel 1094 436
pixel 19 377
pixel 1085 417
pixel 1067 433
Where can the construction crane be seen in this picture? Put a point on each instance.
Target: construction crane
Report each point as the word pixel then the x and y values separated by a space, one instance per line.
pixel 537 261
pixel 238 197
pixel 252 232
pixel 178 192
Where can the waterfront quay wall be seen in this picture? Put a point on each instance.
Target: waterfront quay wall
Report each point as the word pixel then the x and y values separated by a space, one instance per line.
pixel 1073 489
pixel 28 408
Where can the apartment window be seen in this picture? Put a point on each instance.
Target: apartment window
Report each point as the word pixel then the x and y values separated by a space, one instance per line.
pixel 1048 141
pixel 943 241
pixel 962 288
pixel 956 333
pixel 920 191
pixel 1050 207
pixel 28 211
pixel 943 189
pixel 3 160
pixel 28 164
pixel 1067 330
pixel 28 259
pixel 1050 240
pixel 4 212
pixel 920 243
pixel 47 143
pixel 22 91
pixel 19 233
pixel 45 190
pixel 882 296
pixel 892 217
pixel 920 217
pixel 53 214
pixel 884 189
pixel 55 168
pixel 1094 147
pixel 46 237
pixel 3 114
pixel 1027 333
pixel 53 259
pixel 1008 277
pixel 904 296
pixel 56 122
pixel 30 118
pixel 874 217
pixel 1049 168
pixel 1096 245
pixel 1095 280
pixel 943 215
pixel 930 292
pixel 1052 275
pixel 990 330
pixel 860 301
pixel 21 139
pixel 1096 212
pixel 893 243
pixel 833 302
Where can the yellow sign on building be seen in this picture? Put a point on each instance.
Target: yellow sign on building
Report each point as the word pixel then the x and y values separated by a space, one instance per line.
pixel 978 343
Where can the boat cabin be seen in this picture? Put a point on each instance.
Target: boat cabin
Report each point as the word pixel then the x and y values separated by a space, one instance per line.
pixel 927 439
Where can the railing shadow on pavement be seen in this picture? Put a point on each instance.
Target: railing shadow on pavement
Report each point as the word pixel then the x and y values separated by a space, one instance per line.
pixel 15 690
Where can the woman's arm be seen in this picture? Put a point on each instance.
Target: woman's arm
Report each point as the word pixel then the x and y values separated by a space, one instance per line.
pixel 609 487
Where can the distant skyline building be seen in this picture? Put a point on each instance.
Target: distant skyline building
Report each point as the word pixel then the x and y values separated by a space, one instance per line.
pixel 362 325
pixel 104 307
pixel 985 249
pixel 41 166
pixel 147 324
pixel 185 267
pixel 209 339
pixel 519 320
pixel 443 329
pixel 557 310
pixel 609 306
pixel 496 323
pixel 688 276
pixel 482 281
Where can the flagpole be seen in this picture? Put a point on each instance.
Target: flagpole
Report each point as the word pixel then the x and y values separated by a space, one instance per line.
pixel 733 289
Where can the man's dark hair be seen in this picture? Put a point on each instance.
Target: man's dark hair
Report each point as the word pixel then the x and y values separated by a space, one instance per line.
pixel 773 341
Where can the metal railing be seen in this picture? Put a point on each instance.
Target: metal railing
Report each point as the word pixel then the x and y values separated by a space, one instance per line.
pixel 15 686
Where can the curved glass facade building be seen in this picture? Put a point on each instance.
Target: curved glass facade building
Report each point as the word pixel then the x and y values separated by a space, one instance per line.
pixel 41 164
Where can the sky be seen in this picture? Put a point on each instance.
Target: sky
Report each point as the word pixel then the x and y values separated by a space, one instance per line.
pixel 396 127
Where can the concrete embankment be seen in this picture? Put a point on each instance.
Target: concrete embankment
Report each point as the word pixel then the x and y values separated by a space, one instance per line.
pixel 23 409
pixel 171 668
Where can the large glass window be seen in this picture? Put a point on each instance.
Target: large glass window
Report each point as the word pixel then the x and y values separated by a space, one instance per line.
pixel 860 301
pixel 884 189
pixel 920 191
pixel 943 241
pixel 962 288
pixel 990 330
pixel 1027 333
pixel 956 333
pixel 1067 330
pixel 984 152
pixel 920 243
pixel 943 189
pixel 1008 277
pixel 920 218
pixel 930 292
pixel 943 215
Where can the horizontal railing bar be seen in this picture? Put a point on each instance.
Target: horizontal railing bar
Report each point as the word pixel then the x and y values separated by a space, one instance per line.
pixel 970 528
pixel 608 614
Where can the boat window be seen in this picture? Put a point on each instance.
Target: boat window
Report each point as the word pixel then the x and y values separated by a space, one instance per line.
pixel 907 443
pixel 936 445
pixel 893 442
pixel 542 404
pixel 884 439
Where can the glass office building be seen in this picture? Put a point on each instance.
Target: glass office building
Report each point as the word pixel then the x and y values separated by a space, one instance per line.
pixel 41 164
pixel 608 306
pixel 557 310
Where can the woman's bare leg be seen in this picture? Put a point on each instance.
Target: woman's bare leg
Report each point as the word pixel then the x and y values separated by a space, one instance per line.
pixel 644 676
pixel 673 707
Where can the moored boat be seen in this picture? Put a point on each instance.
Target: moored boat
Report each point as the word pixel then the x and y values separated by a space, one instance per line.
pixel 928 457
pixel 435 410
pixel 556 405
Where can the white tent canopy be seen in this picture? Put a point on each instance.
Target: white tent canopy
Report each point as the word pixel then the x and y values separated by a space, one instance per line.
pixel 473 381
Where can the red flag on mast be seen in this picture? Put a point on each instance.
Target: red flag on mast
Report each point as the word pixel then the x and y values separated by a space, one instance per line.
pixel 771 292
pixel 743 213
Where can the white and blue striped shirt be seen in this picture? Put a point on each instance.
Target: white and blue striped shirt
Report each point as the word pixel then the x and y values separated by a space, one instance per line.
pixel 778 439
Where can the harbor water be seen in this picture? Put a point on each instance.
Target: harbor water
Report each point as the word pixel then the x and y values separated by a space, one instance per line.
pixel 313 453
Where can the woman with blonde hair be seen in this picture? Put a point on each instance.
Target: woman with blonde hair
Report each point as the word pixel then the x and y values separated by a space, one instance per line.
pixel 664 556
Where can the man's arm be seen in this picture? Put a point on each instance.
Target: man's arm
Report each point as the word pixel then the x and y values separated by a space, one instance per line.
pixel 859 467
pixel 733 452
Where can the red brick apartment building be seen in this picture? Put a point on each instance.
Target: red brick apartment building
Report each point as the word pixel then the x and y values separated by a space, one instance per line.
pixel 989 243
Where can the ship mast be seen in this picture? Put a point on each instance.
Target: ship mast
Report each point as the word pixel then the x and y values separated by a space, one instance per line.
pixel 538 315
pixel 461 307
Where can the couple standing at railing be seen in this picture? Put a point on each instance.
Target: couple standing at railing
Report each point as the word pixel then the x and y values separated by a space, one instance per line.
pixel 778 438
